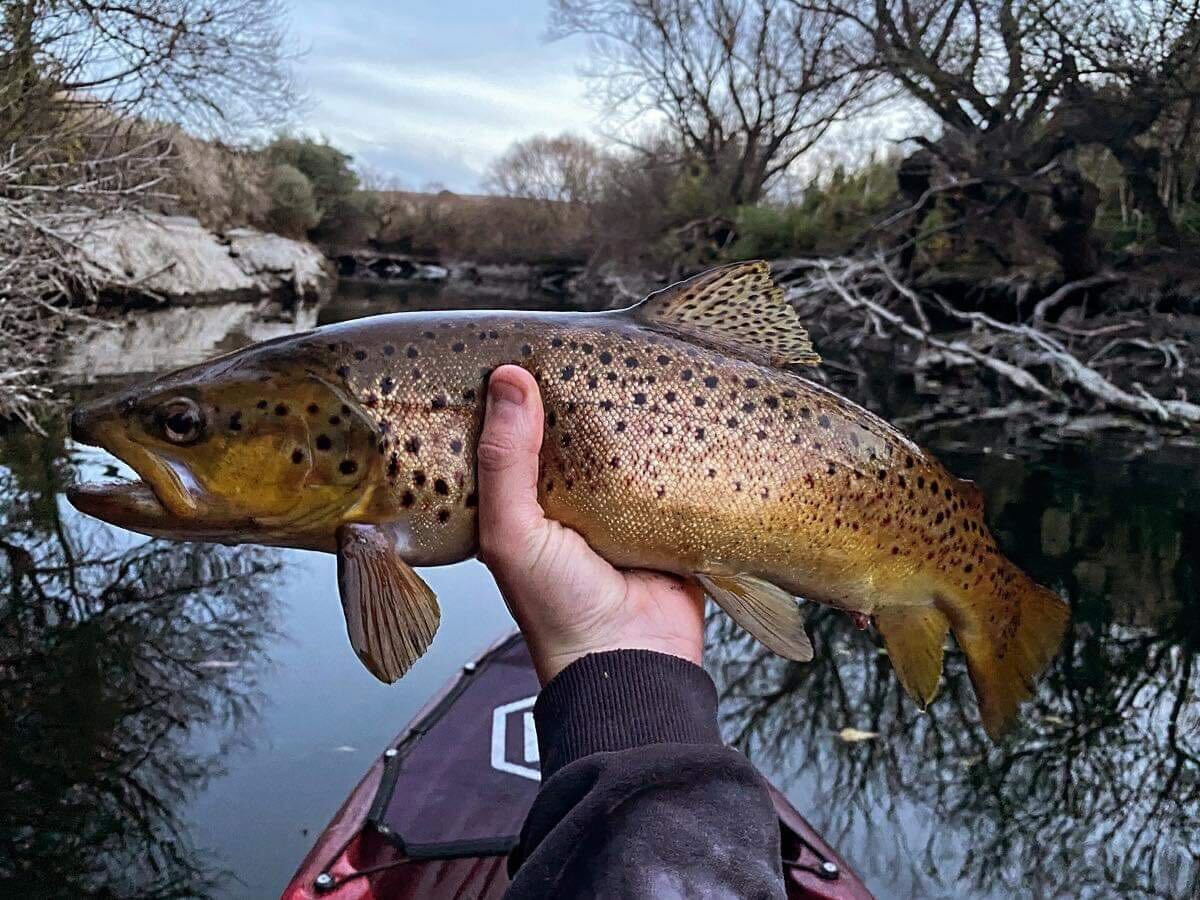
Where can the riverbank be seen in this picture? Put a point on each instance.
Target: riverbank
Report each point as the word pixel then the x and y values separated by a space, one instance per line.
pixel 151 260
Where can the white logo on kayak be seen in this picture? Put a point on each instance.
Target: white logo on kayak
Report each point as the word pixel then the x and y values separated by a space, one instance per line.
pixel 515 718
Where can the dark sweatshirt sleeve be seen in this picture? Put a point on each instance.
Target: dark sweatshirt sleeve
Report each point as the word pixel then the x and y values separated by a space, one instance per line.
pixel 639 796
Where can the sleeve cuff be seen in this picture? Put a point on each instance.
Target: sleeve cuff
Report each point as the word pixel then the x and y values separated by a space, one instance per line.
pixel 622 699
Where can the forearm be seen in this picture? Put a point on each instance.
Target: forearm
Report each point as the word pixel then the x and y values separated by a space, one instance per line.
pixel 639 795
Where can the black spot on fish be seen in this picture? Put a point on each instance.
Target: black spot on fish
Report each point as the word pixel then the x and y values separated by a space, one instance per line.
pixel 526 350
pixel 699 400
pixel 710 381
pixel 413 444
pixel 747 407
pixel 663 359
pixel 631 362
pixel 751 383
pixel 347 467
pixel 472 499
pixel 388 350
pixel 297 456
pixel 620 427
pixel 443 516
pixel 335 420
pixel 458 347
pixel 456 446
pixel 360 355
pixel 556 342
pixel 345 410
pixel 823 421
pixel 671 396
pixel 699 434
pixel 551 418
pixel 235 422
pixel 323 442
pixel 343 371
pixel 438 403
pixel 313 409
pixel 772 402
pixel 568 373
pixel 469 395
pixel 605 357
pixel 387 385
pixel 731 422
pixel 639 399
pixel 418 477
pixel 440 486
pixel 261 404
pixel 407 499
pixel 686 374
pixel 281 410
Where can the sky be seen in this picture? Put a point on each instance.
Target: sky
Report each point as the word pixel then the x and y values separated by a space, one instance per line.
pixel 430 92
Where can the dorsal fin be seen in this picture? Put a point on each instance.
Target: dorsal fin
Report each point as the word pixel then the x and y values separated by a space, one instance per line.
pixel 735 308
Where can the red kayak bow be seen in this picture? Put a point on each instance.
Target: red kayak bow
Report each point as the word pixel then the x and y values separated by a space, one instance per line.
pixel 437 814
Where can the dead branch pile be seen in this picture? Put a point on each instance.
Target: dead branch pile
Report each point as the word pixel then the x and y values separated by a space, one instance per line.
pixel 1117 369
pixel 48 205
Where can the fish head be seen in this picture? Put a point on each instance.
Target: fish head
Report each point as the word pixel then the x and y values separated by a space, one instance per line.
pixel 262 449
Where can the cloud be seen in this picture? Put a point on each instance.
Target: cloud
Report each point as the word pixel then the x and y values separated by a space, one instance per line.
pixel 434 93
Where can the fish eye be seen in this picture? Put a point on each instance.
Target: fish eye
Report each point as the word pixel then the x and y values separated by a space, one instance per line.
pixel 181 420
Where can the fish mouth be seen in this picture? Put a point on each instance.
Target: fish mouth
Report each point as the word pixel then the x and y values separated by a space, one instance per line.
pixel 158 502
pixel 129 504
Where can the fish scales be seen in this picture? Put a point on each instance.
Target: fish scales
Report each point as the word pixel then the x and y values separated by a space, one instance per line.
pixel 715 461
pixel 676 438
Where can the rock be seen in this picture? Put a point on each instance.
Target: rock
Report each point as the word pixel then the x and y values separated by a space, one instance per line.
pixel 170 260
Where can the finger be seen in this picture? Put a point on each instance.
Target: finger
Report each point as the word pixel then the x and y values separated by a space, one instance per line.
pixel 508 462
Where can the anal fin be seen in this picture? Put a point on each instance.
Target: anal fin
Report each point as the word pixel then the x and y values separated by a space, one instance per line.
pixel 768 612
pixel 914 637
pixel 391 614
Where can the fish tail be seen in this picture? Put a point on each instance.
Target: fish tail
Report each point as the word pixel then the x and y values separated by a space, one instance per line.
pixel 1009 632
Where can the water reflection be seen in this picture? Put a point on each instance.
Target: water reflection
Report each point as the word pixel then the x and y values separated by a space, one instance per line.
pixel 1098 794
pixel 112 651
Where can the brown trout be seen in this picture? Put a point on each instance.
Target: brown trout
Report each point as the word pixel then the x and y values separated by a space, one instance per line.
pixel 676 438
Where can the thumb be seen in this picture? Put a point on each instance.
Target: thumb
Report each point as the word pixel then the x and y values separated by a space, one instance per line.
pixel 507 457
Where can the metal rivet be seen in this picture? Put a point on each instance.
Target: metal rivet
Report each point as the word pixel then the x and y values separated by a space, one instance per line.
pixel 469 667
pixel 829 870
pixel 324 881
pixel 390 752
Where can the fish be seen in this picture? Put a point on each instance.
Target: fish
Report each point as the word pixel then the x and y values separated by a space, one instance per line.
pixel 680 436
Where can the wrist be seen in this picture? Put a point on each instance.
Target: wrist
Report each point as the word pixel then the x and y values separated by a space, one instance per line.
pixel 616 700
pixel 550 659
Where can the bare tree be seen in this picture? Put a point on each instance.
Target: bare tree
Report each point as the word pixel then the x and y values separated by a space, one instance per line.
pixel 745 86
pixel 1019 86
pixel 562 169
pixel 83 84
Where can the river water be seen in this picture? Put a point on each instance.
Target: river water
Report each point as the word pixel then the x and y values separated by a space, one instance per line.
pixel 182 720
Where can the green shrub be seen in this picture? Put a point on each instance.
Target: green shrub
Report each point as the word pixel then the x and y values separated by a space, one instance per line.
pixel 293 207
pixel 345 214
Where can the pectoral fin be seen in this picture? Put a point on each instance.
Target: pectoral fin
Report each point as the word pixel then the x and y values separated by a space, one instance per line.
pixel 914 636
pixel 768 612
pixel 391 614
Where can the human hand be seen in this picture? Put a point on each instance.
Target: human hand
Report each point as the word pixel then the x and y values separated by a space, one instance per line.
pixel 567 600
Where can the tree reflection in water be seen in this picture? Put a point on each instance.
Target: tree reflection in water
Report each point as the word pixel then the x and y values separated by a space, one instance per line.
pixel 114 652
pixel 1098 792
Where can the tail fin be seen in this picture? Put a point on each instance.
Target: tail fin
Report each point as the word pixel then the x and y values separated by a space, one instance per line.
pixel 1009 636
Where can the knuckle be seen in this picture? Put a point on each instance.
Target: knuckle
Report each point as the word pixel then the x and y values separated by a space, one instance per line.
pixel 495 453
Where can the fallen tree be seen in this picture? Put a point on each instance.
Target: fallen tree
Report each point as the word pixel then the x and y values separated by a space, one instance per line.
pixel 1033 368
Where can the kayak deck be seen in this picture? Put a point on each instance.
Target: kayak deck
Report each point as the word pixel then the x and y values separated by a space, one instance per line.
pixel 437 814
